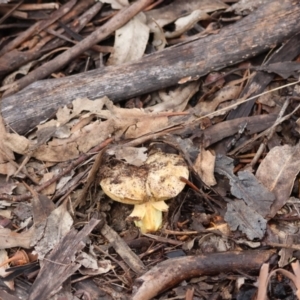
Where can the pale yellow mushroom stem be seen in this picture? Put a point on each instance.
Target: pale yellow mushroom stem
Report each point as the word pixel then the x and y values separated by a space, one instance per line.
pixel 148 216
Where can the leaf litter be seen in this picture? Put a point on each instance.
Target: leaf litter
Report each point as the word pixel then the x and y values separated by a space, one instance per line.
pixel 236 201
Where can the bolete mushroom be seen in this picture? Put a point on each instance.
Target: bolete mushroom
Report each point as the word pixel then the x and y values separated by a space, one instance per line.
pixel 146 187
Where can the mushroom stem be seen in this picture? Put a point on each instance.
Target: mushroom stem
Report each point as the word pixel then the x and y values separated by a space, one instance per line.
pixel 148 216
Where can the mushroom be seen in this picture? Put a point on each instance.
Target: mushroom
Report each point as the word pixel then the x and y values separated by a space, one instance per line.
pixel 146 187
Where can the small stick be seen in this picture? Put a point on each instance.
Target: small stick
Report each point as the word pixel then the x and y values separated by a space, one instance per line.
pixel 130 258
pixel 98 35
pixel 75 163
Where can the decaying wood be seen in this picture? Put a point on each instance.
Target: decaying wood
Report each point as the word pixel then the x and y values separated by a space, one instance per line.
pixel 261 80
pixel 219 131
pixel 60 263
pixel 5 295
pixel 232 44
pixel 130 258
pixel 173 271
pixel 228 128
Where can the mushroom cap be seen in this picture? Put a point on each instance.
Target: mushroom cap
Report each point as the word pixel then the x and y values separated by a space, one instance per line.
pixel 157 180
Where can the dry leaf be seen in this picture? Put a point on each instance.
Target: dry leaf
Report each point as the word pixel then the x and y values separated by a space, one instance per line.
pixel 205 165
pixel 58 224
pixel 132 122
pixel 91 265
pixel 298 125
pixel 246 186
pixel 159 40
pixel 6 186
pixel 23 70
pixel 286 254
pixel 6 154
pixel 6 213
pixel 79 105
pixel 270 98
pixel 116 4
pixel 244 7
pixel 228 92
pixel 17 143
pixel 241 217
pixel 49 190
pixel 133 156
pixel 87 260
pixel 4 257
pixel 278 171
pixel 130 41
pixel 178 8
pixel 187 22
pixel 175 100
pixel 11 239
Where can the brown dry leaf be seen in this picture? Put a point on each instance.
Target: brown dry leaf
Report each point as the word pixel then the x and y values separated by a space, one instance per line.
pixel 6 154
pixel 130 41
pixel 272 97
pixel 17 143
pixel 49 190
pixel 56 153
pixel 229 92
pixel 7 168
pixel 135 122
pixel 175 100
pixel 11 239
pixel 130 123
pixel 146 125
pixel 178 8
pixel 6 213
pixel 278 171
pixel 205 165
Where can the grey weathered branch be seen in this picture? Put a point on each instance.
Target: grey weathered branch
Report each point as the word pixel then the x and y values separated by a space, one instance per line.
pixel 265 28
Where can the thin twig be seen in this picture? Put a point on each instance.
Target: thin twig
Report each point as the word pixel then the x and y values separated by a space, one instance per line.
pixel 120 19
pixel 263 145
pixel 75 163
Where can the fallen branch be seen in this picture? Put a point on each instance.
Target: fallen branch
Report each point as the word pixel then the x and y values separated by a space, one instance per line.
pixel 173 271
pixel 232 44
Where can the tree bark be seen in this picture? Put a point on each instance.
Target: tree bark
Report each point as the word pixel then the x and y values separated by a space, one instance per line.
pixel 265 28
